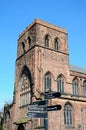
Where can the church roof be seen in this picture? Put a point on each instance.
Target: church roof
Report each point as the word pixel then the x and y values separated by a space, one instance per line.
pixel 78 69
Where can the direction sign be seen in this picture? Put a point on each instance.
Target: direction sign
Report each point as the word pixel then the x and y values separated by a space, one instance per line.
pixel 53 95
pixel 44 108
pixel 41 102
pixel 54 107
pixel 36 107
pixel 36 115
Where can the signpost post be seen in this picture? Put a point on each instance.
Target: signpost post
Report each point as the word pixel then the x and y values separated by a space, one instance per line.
pixel 50 96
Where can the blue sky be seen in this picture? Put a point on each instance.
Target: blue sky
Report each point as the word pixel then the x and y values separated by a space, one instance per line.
pixel 16 15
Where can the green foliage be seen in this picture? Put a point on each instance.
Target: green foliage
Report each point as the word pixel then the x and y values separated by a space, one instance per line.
pixel 1 128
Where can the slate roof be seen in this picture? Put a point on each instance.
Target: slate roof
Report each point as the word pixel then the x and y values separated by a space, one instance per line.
pixel 78 69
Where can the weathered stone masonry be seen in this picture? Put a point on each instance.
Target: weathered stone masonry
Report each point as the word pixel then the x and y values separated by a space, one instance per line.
pixel 42 64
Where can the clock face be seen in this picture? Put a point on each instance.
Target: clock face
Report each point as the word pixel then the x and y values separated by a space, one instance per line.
pixel 24 83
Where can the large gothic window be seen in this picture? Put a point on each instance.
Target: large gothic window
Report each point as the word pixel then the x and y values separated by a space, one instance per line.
pixel 84 88
pixel 25 88
pixel 68 115
pixel 47 82
pixel 75 87
pixel 60 84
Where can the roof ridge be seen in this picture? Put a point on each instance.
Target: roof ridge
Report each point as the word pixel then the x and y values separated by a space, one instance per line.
pixel 78 69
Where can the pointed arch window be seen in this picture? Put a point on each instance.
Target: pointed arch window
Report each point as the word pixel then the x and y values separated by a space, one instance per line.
pixel 75 87
pixel 47 41
pixel 23 46
pixel 68 115
pixel 29 40
pixel 60 84
pixel 84 88
pixel 47 82
pixel 25 88
pixel 56 43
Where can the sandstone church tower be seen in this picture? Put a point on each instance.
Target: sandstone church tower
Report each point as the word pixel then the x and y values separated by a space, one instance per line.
pixel 42 65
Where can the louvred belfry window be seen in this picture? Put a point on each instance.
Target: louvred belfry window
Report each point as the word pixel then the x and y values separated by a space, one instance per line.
pixel 56 43
pixel 47 41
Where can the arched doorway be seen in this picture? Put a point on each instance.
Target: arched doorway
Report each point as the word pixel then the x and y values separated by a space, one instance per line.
pixel 21 127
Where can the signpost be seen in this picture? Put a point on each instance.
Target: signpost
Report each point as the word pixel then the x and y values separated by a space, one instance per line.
pixel 39 109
